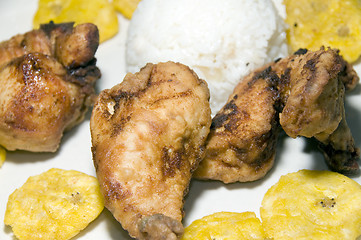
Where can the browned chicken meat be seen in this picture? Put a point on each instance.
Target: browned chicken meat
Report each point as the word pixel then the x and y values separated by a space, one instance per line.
pixel 148 135
pixel 47 79
pixel 313 91
pixel 242 141
pixel 304 94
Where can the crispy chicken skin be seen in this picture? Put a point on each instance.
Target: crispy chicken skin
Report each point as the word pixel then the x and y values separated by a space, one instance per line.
pixel 313 89
pixel 71 46
pixel 242 141
pixel 304 94
pixel 46 87
pixel 148 135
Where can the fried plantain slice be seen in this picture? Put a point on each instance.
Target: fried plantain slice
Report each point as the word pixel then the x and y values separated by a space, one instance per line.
pixel 225 225
pixel 312 205
pixel 99 12
pixel 126 7
pixel 333 23
pixel 2 155
pixel 56 204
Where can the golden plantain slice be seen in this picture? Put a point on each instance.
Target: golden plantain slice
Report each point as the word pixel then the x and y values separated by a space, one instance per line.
pixel 312 205
pixel 99 12
pixel 2 155
pixel 225 225
pixel 126 7
pixel 331 23
pixel 55 205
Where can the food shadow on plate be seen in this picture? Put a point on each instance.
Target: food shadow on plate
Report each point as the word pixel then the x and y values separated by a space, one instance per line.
pixel 72 133
pixel 353 118
pixel 353 115
pixel 22 157
pixel 99 85
pixel 112 227
pixel 318 161
pixel 8 231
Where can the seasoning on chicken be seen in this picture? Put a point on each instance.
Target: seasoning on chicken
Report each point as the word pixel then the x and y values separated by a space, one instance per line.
pixel 313 89
pixel 47 78
pixel 242 140
pixel 303 93
pixel 148 135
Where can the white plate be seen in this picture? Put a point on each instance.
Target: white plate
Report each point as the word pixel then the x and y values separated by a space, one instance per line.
pixel 204 197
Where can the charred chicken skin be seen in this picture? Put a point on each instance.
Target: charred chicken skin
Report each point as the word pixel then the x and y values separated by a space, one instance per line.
pixel 304 94
pixel 47 78
pixel 148 136
pixel 242 141
pixel 313 90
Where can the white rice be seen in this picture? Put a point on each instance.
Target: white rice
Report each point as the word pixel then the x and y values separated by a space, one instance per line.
pixel 221 40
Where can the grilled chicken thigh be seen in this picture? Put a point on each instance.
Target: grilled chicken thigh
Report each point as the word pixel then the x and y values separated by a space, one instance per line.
pixel 47 78
pixel 148 136
pixel 305 92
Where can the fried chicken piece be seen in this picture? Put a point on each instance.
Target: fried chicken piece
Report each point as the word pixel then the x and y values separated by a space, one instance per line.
pixel 339 149
pixel 47 78
pixel 242 140
pixel 314 89
pixel 148 135
pixel 306 92
pixel 71 46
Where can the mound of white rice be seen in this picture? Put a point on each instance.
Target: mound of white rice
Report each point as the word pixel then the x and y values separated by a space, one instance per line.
pixel 221 40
